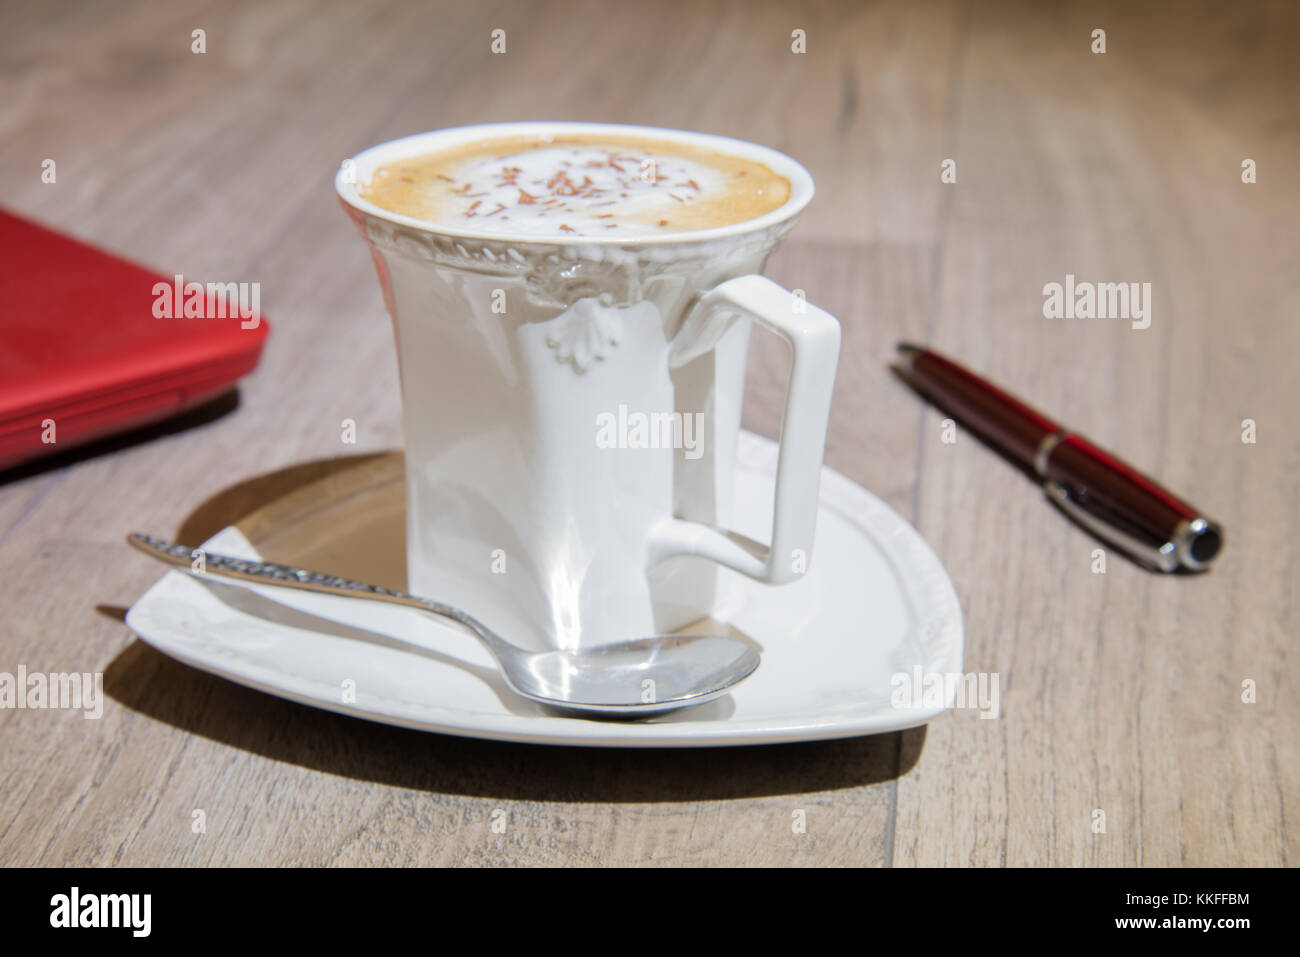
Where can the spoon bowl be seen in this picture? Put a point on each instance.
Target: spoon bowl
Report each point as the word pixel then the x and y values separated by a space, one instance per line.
pixel 634 678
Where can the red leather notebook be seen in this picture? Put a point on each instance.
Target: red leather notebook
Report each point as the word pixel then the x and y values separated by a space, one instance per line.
pixel 91 344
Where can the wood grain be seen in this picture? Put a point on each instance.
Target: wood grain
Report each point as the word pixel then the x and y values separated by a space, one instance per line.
pixel 1121 692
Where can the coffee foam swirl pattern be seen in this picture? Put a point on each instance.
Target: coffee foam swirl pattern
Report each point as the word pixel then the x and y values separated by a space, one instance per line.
pixel 578 186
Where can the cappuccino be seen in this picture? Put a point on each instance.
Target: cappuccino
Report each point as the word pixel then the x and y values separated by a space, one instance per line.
pixel 578 185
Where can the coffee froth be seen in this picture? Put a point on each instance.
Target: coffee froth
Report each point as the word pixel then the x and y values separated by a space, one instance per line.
pixel 577 185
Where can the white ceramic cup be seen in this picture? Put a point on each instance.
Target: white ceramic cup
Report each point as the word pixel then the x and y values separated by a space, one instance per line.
pixel 534 500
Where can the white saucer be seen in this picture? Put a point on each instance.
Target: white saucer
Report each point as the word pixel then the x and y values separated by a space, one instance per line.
pixel 875 603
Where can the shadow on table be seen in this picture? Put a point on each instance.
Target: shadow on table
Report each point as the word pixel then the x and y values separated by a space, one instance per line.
pixel 147 681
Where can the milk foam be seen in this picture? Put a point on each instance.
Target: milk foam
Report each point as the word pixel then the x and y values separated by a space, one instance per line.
pixel 575 187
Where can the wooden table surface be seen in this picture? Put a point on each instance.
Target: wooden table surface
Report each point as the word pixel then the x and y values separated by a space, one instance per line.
pixel 1122 692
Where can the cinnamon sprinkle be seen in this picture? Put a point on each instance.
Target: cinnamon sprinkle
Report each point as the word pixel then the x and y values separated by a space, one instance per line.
pixel 564 186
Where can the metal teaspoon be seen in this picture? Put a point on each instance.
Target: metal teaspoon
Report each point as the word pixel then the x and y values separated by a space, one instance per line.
pixel 672 671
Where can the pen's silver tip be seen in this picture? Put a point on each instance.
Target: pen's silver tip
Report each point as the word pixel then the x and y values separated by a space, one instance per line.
pixel 1198 542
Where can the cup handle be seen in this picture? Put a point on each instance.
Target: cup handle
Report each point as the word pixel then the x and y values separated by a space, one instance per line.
pixel 814 337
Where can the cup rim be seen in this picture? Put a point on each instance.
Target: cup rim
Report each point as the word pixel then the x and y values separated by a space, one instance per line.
pixel 365 162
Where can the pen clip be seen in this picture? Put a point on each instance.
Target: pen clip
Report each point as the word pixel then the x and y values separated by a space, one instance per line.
pixel 1163 557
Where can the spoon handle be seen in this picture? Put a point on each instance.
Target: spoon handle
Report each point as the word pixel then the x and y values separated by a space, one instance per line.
pixel 199 561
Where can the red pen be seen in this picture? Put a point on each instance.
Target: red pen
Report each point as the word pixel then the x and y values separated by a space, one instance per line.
pixel 1112 500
